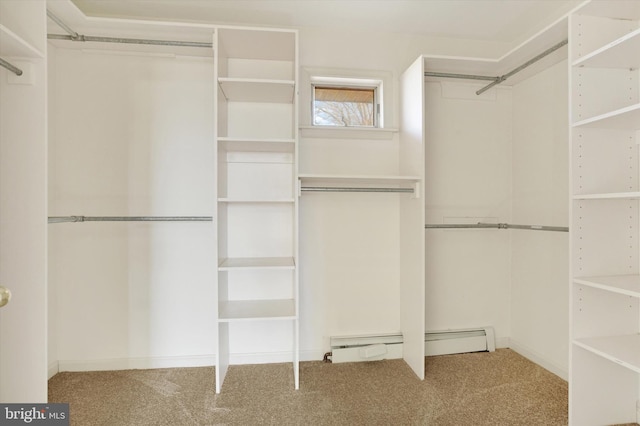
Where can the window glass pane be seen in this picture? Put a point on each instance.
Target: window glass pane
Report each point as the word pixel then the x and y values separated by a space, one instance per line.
pixel 337 106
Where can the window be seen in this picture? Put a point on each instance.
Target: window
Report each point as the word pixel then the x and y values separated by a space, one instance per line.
pixel 345 105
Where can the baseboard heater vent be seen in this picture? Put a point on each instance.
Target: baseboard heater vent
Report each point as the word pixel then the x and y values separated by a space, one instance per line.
pixel 389 346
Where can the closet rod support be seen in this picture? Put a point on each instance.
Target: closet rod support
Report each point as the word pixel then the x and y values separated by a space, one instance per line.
pixel 63 219
pixel 523 66
pixel 17 71
pixel 344 189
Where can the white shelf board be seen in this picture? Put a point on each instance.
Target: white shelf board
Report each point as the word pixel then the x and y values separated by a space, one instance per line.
pixel 245 310
pixel 14 46
pixel 231 144
pixel 255 201
pixel 337 132
pixel 621 53
pixel 623 350
pixel 623 284
pixel 358 179
pixel 257 90
pixel 271 44
pixel 609 196
pixel 256 263
pixel 627 118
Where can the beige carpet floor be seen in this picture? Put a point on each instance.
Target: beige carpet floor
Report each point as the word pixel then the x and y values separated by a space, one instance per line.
pixel 498 388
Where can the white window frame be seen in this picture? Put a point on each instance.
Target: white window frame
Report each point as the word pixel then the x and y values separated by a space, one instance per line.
pixel 383 80
pixel 349 83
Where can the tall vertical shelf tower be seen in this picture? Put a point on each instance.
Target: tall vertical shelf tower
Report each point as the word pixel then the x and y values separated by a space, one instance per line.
pixel 604 58
pixel 257 219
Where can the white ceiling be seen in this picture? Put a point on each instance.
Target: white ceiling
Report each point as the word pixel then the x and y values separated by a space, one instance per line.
pixel 504 21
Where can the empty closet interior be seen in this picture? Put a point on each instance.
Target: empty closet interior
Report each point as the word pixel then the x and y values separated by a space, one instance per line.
pixel 198 218
pixel 202 132
pixel 495 193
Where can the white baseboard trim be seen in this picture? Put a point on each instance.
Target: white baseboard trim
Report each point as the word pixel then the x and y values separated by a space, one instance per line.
pixel 502 342
pixel 537 358
pixel 311 355
pixel 175 362
pixel 136 363
pixel 53 369
pixel 260 358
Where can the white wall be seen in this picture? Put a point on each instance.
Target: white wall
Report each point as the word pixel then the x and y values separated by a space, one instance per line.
pixel 467 180
pixel 23 174
pixel 349 245
pixel 539 271
pixel 133 136
pixel 500 159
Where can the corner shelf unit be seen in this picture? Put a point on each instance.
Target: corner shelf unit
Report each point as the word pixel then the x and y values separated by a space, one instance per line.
pixel 257 219
pixel 604 381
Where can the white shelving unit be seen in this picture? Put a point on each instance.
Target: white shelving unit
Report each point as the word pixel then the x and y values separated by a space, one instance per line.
pixel 604 385
pixel 256 100
pixel 256 145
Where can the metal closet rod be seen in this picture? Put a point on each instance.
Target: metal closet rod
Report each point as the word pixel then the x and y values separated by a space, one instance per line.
pixel 497 80
pixel 17 71
pixel 63 219
pixel 74 36
pixel 481 225
pixel 343 189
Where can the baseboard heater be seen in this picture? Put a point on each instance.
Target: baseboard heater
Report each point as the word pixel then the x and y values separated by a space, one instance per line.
pixel 389 346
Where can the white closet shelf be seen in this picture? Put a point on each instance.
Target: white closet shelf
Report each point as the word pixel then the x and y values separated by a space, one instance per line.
pixel 231 144
pixel 614 54
pixel 609 196
pixel 256 201
pixel 623 350
pixel 235 263
pixel 336 132
pixel 627 118
pixel 12 45
pixel 358 179
pixel 628 285
pixel 263 44
pixel 245 310
pixel 257 90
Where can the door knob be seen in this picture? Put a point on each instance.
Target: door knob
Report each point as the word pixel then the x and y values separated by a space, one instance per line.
pixel 5 296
